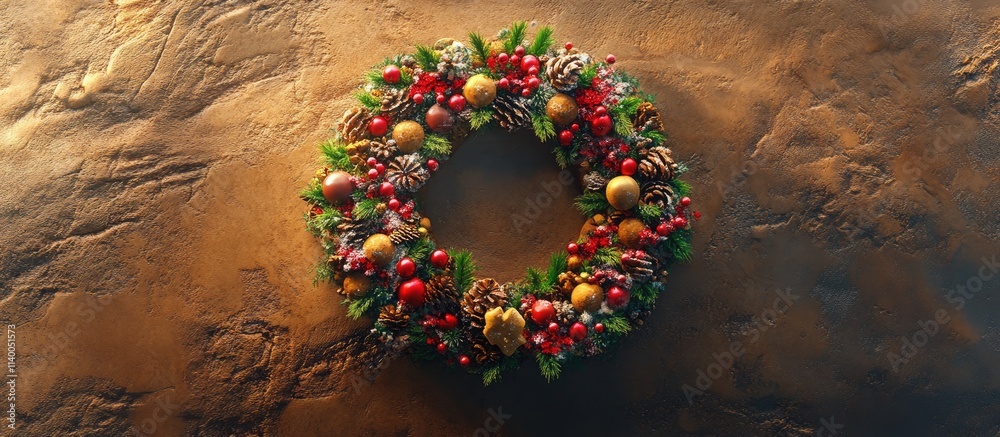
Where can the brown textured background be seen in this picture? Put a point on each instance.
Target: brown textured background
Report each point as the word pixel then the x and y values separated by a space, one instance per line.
pixel 157 268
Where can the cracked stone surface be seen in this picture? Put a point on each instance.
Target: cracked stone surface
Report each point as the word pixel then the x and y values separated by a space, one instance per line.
pixel 845 154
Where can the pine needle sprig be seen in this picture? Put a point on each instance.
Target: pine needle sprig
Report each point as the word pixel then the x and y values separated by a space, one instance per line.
pixel 650 213
pixel 366 209
pixel 617 325
pixel 515 36
pixel 335 156
pixel 543 40
pixel 481 117
pixel 607 256
pixel 436 147
pixel 549 365
pixel 367 100
pixel 480 49
pixel 465 270
pixel 427 57
pixel 544 129
pixel 592 203
pixel 682 188
pixel 314 194
pixel 558 263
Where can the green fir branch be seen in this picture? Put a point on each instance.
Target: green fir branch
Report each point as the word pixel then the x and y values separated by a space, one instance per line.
pixel 650 213
pixel 325 221
pixel 683 189
pixel 592 203
pixel 367 100
pixel 558 263
pixel 549 365
pixel 420 251
pixel 515 36
pixel 628 105
pixel 436 147
pixel 534 280
pixel 427 57
pixel 679 245
pixel 480 48
pixel 491 375
pixel 314 194
pixel 323 271
pixel 543 40
pixel 607 255
pixel 481 117
pixel 645 294
pixel 335 156
pixel 623 124
pixel 617 325
pixel 587 76
pixel 544 129
pixel 361 305
pixel 465 270
pixel 658 137
pixel 563 157
pixel 366 209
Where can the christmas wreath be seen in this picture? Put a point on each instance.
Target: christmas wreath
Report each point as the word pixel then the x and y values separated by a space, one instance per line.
pixel 413 109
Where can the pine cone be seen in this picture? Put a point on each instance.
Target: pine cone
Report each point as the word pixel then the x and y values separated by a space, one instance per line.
pixel 397 104
pixel 442 297
pixel 647 118
pixel 383 152
pixel 565 312
pixel 564 71
pixel 484 352
pixel 657 164
pixel 393 319
pixel 353 233
pixel 512 112
pixel 657 193
pixel 404 233
pixel 406 173
pixel 594 181
pixel 640 266
pixel 354 125
pixel 568 281
pixel 484 295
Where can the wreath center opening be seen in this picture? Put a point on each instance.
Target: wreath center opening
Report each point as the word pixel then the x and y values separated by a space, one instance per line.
pixel 502 196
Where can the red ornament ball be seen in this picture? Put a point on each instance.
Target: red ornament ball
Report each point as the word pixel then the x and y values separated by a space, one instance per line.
pixel 391 74
pixel 573 248
pixel 418 99
pixel 519 50
pixel 393 204
pixel 440 259
pixel 432 164
pixel 599 327
pixel 569 45
pixel 680 222
pixel 371 162
pixel 337 187
pixel 503 83
pixel 534 82
pixel 528 62
pixel 442 348
pixel 542 311
pixel 413 292
pixel 456 102
pixel 503 58
pixel 578 331
pixel 610 59
pixel 526 92
pixel 664 228
pixel 373 174
pixel 516 59
pixel 685 201
pixel 629 166
pixel 449 321
pixel 386 189
pixel 406 267
pixel 565 137
pixel 553 328
pixel 464 361
pixel 601 125
pixel 439 118
pixel 601 110
pixel 617 296
pixel 575 127
pixel 533 71
pixel 378 126
pixel 440 99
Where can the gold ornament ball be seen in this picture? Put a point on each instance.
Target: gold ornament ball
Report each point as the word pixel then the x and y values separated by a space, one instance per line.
pixel 562 109
pixel 628 232
pixel 479 91
pixel 425 223
pixel 623 192
pixel 587 297
pixel 357 284
pixel 409 136
pixel 379 249
pixel 574 262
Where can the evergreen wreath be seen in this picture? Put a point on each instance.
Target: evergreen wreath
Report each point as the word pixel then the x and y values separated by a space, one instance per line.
pixel 426 301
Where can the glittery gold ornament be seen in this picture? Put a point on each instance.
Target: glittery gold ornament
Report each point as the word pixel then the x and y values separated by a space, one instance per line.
pixel 628 232
pixel 574 262
pixel 379 249
pixel 409 136
pixel 587 297
pixel 562 109
pixel 479 91
pixel 505 329
pixel 623 192
pixel 425 223
pixel 357 284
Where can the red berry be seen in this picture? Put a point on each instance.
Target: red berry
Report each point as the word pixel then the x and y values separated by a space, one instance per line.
pixel 610 59
pixel 380 168
pixel 592 280
pixel 629 166
pixel 440 259
pixel 601 110
pixel 413 292
pixel 432 164
pixel 617 297
pixel 565 137
pixel 418 99
pixel 680 222
pixel 533 71
pixel 442 348
pixel 391 74
pixel 601 125
pixel 371 162
pixel 431 340
pixel 626 257
pixel 533 82
pixel 573 248
pixel 697 215
pixel 393 204
pixel 516 59
pixel 405 267
pixel 519 50
pixel 542 311
pixel 373 174
pixel 464 361
pixel 528 62
pixel 503 83
pixel 574 127
pixel 526 92
pixel 569 46
pixel 664 228
pixel 685 201
pixel 456 103
pixel 439 99
pixel 449 321
pixel 386 189
pixel 378 126
pixel 503 58
pixel 599 327
pixel 578 331
pixel 553 328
